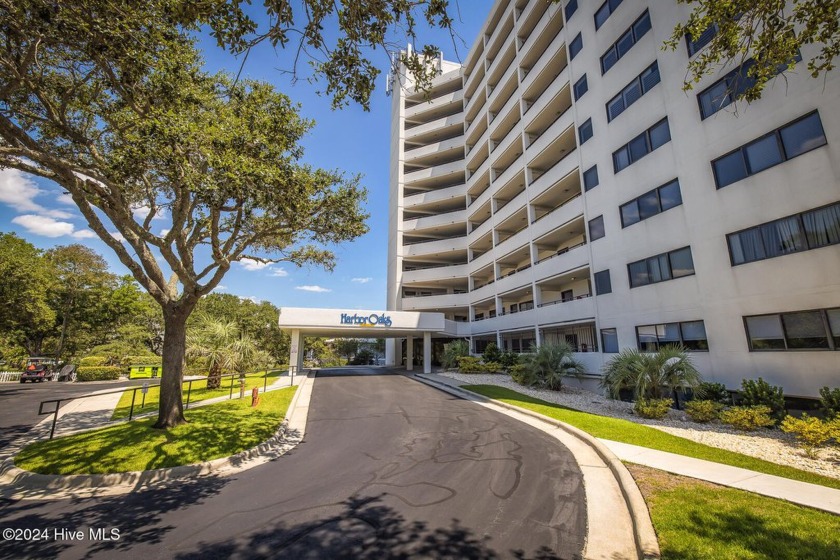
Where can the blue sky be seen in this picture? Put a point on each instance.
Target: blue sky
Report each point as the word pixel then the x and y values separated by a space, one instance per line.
pixel 349 139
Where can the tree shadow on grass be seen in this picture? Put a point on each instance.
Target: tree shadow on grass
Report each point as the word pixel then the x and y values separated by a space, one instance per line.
pixel 758 536
pixel 138 517
pixel 364 529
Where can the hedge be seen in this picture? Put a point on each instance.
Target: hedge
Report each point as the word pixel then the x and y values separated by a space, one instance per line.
pixel 98 373
pixel 150 360
pixel 89 361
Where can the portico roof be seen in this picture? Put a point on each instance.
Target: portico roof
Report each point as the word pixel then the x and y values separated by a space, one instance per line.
pixel 366 323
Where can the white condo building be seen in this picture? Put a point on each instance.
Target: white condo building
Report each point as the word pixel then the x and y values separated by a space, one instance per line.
pixel 561 185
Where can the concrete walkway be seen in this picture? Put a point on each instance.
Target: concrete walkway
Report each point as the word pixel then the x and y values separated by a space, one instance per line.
pixel 802 493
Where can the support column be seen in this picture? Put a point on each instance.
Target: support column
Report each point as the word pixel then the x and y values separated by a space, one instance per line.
pixel 390 351
pixel 296 350
pixel 427 352
pixel 409 353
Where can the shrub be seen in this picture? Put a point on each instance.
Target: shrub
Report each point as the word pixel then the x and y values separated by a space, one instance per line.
pixel 469 364
pixel 748 418
pixel 811 432
pixel 491 367
pixel 761 393
pixel 655 409
pixel 454 350
pixel 830 402
pixel 98 373
pixel 508 360
pixel 149 360
pixel 520 374
pixel 492 353
pixel 550 363
pixel 703 411
pixel 709 391
pixel 94 361
pixel 650 375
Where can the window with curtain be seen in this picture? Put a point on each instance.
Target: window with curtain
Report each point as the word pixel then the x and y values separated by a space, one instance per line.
pixel 815 329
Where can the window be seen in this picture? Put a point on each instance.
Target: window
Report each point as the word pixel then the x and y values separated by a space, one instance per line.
pixel 659 268
pixel 702 40
pixel 651 203
pixel 570 9
pixel 581 87
pixel 690 334
pixel 792 234
pixel 575 46
pixel 793 139
pixel 585 131
pixel 642 145
pixel 633 91
pixel 590 178
pixel 602 283
pixel 723 92
pixel 817 329
pixel 625 42
pixel 609 341
pixel 605 11
pixel 596 228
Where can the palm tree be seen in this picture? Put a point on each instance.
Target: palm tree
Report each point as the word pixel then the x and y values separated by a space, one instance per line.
pixel 223 347
pixel 550 363
pixel 650 375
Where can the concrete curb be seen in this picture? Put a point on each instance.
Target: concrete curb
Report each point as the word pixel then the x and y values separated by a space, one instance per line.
pixel 20 484
pixel 647 545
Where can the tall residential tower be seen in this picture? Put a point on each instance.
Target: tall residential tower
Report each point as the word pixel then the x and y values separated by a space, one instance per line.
pixel 561 185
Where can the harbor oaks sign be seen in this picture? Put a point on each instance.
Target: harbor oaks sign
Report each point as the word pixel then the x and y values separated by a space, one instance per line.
pixel 371 320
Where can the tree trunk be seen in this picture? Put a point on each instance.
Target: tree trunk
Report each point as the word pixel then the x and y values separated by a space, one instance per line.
pixel 171 411
pixel 214 376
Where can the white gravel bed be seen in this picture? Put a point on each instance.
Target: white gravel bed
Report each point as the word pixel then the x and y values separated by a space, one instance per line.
pixel 770 445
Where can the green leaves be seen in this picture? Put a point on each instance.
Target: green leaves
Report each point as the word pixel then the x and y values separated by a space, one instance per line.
pixel 650 375
pixel 773 32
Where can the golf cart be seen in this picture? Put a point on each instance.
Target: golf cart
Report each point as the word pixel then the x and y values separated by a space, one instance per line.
pixel 39 369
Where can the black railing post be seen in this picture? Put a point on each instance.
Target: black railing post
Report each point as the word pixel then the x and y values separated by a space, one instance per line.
pixel 55 418
pixel 131 410
pixel 189 390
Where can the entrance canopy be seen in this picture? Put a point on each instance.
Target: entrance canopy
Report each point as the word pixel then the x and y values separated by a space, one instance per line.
pixel 343 323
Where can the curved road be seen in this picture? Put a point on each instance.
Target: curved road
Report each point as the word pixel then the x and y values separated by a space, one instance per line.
pixel 389 468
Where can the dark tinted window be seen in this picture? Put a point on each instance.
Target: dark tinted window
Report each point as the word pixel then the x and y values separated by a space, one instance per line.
pixel 570 9
pixel 805 330
pixel 581 87
pixel 602 283
pixel 638 274
pixel 803 135
pixel 690 334
pixel 585 131
pixel 659 268
pixel 596 228
pixel 702 40
pixel 629 213
pixel 609 341
pixel 642 145
pixel 817 329
pixel 798 137
pixel 681 262
pixel 648 205
pixel 633 91
pixel 590 178
pixel 660 134
pixel 575 46
pixel 669 195
pixel 822 226
pixel 625 42
pixel 604 12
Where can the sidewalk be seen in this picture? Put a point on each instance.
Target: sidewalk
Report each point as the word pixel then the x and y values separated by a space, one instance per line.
pixel 802 493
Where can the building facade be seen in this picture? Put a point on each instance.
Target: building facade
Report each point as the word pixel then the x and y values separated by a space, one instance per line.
pixel 561 185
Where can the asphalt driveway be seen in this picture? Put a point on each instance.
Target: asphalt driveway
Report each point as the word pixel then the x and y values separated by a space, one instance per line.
pixel 389 468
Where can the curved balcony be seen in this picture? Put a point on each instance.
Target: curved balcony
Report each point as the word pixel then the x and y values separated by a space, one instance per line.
pixel 443 272
pixel 426 248
pixel 562 215
pixel 437 126
pixel 439 301
pixel 429 222
pixel 575 257
pixel 430 197
pixel 433 149
pixel 428 109
pixel 450 169
pixel 576 309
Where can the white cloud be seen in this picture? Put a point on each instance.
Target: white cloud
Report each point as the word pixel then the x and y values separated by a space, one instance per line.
pixel 279 272
pixel 117 235
pixel 252 299
pixel 220 288
pixel 19 191
pixel 164 232
pixel 316 289
pixel 141 211
pixel 65 198
pixel 252 265
pixel 48 227
pixel 364 280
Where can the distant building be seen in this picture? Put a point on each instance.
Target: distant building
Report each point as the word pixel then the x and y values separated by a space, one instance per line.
pixel 561 185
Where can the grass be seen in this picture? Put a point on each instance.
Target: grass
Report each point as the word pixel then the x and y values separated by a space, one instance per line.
pixel 199 392
pixel 698 520
pixel 213 431
pixel 624 431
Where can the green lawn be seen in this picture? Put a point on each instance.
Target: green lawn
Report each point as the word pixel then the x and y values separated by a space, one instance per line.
pixel 199 392
pixel 697 520
pixel 637 434
pixel 213 431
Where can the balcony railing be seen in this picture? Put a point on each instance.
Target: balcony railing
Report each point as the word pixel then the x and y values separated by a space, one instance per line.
pixel 555 302
pixel 561 252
